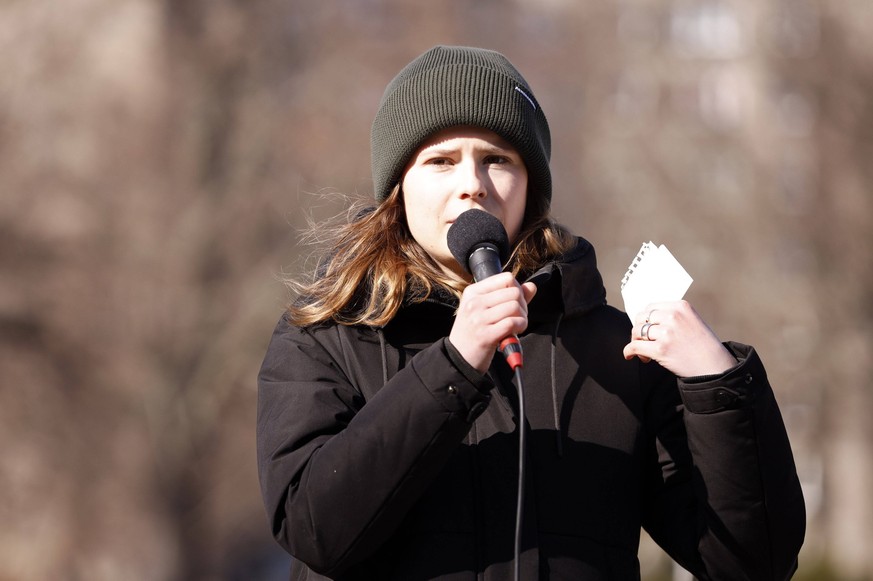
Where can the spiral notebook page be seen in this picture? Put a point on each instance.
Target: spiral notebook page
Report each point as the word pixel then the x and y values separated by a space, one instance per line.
pixel 654 276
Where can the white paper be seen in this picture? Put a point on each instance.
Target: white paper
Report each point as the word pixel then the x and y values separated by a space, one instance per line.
pixel 654 276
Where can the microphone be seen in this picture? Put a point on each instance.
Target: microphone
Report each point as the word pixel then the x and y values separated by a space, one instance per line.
pixel 479 242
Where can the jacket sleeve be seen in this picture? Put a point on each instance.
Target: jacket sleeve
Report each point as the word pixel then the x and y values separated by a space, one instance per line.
pixel 338 473
pixel 728 504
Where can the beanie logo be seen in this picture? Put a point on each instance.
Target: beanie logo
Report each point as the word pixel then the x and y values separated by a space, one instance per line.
pixel 526 96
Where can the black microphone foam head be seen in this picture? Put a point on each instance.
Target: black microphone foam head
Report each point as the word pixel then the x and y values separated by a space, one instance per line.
pixel 473 228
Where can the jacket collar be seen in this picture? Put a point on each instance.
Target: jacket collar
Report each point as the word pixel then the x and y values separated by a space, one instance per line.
pixel 571 285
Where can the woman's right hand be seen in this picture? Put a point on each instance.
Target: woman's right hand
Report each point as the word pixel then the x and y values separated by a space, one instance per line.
pixel 490 311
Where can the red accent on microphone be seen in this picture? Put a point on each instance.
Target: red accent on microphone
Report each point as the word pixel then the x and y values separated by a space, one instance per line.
pixel 511 349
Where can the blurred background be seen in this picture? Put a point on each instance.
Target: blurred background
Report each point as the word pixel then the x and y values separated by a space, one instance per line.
pixel 158 160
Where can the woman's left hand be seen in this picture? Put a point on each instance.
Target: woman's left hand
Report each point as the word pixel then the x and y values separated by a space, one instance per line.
pixel 674 335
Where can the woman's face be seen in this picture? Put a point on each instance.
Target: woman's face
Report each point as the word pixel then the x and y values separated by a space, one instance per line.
pixel 455 170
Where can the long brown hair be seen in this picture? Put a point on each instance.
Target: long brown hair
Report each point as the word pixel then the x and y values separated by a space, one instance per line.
pixel 374 264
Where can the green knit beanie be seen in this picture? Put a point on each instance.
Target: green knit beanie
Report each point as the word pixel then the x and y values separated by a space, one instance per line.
pixel 449 86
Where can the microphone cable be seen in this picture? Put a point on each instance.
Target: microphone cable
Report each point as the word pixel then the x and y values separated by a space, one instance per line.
pixel 510 347
pixel 519 507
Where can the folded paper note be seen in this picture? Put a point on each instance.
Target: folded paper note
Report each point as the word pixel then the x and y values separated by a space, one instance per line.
pixel 654 276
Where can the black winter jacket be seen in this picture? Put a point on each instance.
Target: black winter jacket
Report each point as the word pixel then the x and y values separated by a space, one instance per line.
pixel 383 456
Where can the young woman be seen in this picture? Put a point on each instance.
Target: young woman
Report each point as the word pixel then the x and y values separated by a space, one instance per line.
pixel 388 429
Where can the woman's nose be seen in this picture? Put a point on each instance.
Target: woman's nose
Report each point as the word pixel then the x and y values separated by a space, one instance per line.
pixel 473 182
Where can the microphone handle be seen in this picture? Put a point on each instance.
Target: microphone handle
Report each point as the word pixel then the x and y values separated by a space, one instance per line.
pixel 511 349
pixel 484 261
